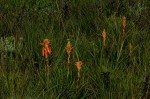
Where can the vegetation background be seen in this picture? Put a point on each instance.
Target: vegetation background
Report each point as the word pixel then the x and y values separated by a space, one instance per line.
pixel 115 72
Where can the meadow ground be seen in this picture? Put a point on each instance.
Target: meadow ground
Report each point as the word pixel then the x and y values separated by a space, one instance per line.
pixel 116 62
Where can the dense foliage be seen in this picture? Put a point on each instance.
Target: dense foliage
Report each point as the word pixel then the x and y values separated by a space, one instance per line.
pixel 119 70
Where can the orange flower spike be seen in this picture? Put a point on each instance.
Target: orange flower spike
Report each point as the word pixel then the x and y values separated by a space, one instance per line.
pixel 79 65
pixel 69 47
pixel 46 50
pixel 104 37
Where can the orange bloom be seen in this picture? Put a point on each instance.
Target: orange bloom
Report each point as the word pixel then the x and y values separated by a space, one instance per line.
pixel 46 50
pixel 69 47
pixel 79 65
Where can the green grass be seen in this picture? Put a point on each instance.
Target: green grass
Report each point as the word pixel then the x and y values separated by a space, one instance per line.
pixel 106 72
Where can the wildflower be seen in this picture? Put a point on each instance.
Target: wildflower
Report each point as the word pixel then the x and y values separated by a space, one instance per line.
pixel 69 48
pixel 104 37
pixel 46 50
pixel 123 23
pixel 78 66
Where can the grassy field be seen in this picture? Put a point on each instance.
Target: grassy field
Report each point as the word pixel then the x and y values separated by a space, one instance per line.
pixel 116 64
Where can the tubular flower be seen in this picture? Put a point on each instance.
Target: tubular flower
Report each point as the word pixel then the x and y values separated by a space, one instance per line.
pixel 46 50
pixel 69 47
pixel 104 37
pixel 78 66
